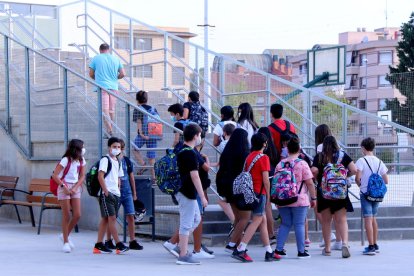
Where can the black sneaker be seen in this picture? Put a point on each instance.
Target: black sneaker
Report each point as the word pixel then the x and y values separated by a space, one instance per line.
pixel 204 247
pixel 101 248
pixel 376 247
pixel 110 244
pixel 230 249
pixel 281 253
pixel 272 240
pixel 241 256
pixel 303 255
pixel 134 245
pixel 120 248
pixel 271 257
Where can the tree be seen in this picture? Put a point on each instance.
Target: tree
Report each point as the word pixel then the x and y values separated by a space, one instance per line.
pixel 403 112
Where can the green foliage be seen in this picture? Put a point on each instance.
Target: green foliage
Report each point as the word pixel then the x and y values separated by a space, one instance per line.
pixel 403 113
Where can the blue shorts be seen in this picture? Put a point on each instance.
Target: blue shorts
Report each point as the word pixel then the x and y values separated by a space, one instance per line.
pixel 369 208
pixel 259 210
pixel 126 200
pixel 151 143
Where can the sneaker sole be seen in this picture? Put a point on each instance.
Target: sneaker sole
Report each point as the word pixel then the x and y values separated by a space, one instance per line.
pixel 272 260
pixel 97 251
pixel 229 250
pixel 241 259
pixel 304 257
pixel 119 252
pixel 368 253
pixel 186 263
pixel 345 252
pixel 171 251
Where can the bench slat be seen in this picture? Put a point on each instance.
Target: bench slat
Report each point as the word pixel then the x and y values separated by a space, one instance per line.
pixel 36 198
pixel 25 203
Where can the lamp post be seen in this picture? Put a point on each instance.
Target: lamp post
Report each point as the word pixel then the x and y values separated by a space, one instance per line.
pixel 366 96
pixel 142 42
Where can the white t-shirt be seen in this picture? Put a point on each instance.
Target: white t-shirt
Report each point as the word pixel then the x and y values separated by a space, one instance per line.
pixel 250 130
pixel 73 175
pixel 222 145
pixel 111 180
pixel 218 129
pixel 319 148
pixel 362 166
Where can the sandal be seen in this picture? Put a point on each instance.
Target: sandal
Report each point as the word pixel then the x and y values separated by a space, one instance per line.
pixel 326 253
pixel 345 251
pixel 142 170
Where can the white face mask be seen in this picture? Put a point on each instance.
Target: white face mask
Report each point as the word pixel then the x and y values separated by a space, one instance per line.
pixel 198 141
pixel 115 152
pixel 83 151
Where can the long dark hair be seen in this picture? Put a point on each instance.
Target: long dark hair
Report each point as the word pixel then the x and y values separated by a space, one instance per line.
pixel 330 149
pixel 74 150
pixel 321 132
pixel 237 147
pixel 246 113
pixel 271 150
pixel 227 112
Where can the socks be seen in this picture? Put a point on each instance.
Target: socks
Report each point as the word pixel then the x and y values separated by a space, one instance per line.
pixel 268 248
pixel 232 244
pixel 242 246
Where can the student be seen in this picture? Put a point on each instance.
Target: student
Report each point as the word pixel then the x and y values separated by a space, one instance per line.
pixel 109 197
pixel 106 69
pixel 128 196
pixel 366 166
pixel 187 196
pixel 227 117
pixel 331 154
pixel 142 137
pixel 194 112
pixel 295 214
pixel 261 187
pixel 246 120
pixel 271 152
pixel 231 165
pixel 70 189
pixel 279 126
pixel 228 130
pixel 176 113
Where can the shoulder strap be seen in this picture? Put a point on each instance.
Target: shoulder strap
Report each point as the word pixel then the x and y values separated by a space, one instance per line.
pixel 109 167
pixel 66 170
pixel 379 166
pixel 287 126
pixel 128 163
pixel 369 165
pixel 275 127
pixel 341 155
pixel 254 161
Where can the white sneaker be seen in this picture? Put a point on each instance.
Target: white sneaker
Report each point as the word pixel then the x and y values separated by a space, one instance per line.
pixel 66 248
pixel 337 246
pixel 72 246
pixel 202 255
pixel 170 248
pixel 333 238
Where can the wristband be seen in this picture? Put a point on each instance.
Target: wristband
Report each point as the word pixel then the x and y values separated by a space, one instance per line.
pixel 313 198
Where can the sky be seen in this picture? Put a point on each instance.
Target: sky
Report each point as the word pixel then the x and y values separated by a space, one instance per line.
pixel 245 26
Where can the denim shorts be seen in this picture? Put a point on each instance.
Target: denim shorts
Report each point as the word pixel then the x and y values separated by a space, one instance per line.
pixel 200 206
pixel 151 143
pixel 259 210
pixel 127 202
pixel 369 208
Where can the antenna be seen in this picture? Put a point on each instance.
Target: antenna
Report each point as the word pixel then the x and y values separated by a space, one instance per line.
pixel 386 13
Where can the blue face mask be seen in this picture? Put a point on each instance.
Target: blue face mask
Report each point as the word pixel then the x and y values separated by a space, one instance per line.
pixel 173 119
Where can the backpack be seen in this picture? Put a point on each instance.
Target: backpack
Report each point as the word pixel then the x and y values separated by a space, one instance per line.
pixel 167 175
pixel 376 189
pixel 199 116
pixel 284 188
pixel 154 125
pixel 92 182
pixel 334 185
pixel 244 195
pixel 284 132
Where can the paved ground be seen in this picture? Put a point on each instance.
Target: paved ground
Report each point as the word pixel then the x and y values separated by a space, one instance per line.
pixel 23 252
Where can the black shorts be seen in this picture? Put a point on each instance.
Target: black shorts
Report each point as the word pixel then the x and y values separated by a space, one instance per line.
pixel 109 205
pixel 333 205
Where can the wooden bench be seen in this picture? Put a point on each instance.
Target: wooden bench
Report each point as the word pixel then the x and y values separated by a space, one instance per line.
pixel 39 195
pixel 7 186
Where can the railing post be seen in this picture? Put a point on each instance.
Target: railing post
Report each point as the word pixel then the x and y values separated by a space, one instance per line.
pixel 127 130
pixel 131 49
pixel 86 26
pixel 267 110
pixel 310 117
pixel 7 83
pixel 222 70
pixel 197 79
pixel 111 37
pixel 100 124
pixel 65 107
pixel 27 76
pixel 344 125
pixel 165 60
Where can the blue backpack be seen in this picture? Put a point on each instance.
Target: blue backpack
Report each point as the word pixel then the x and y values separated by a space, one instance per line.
pixel 167 175
pixel 376 189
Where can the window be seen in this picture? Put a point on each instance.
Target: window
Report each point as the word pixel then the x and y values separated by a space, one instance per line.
pixel 178 48
pixel 143 71
pixel 362 105
pixel 303 69
pixel 353 101
pixel 362 59
pixel 351 81
pixel 362 128
pixel 142 44
pixel 178 76
pixel 46 11
pixel 382 104
pixel 385 57
pixel 362 82
pixel 382 82
pixel 352 126
pixel 22 9
pixel 121 41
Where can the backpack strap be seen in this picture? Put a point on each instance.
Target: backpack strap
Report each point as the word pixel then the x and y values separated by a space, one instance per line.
pixel 254 161
pixel 109 167
pixel 128 164
pixel 379 166
pixel 66 170
pixel 275 127
pixel 370 166
pixel 341 155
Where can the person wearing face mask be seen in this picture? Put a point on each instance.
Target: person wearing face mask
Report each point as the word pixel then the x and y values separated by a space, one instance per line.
pixel 70 189
pixel 109 197
pixel 176 113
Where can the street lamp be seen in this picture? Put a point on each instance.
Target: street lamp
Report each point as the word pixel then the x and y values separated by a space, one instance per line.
pixel 365 61
pixel 142 42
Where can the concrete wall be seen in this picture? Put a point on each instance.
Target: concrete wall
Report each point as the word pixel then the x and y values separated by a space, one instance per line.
pixel 12 162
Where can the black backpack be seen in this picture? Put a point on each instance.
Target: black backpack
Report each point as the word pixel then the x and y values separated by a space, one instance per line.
pixel 283 133
pixel 198 115
pixel 92 182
